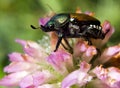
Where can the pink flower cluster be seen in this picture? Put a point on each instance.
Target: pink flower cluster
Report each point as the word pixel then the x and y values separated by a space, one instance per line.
pixel 35 68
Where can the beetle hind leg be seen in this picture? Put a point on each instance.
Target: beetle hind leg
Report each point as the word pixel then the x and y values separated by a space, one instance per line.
pixel 89 41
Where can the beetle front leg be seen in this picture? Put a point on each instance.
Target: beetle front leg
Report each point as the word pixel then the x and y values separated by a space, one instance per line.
pixel 60 36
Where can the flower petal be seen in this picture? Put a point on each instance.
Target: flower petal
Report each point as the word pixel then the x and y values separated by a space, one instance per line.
pixel 79 48
pixel 110 76
pixel 16 57
pixel 49 86
pixel 77 77
pixel 89 53
pixel 43 21
pixel 100 72
pixel 84 51
pixel 60 60
pixel 42 77
pixel 20 66
pixel 36 79
pixel 70 80
pixel 84 66
pixel 107 26
pixel 108 54
pixel 27 82
pixel 33 49
pixel 13 79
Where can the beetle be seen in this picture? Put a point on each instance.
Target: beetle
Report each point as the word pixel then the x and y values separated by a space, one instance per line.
pixel 74 25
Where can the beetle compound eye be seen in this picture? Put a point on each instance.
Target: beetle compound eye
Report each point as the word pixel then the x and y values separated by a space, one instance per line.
pixel 50 24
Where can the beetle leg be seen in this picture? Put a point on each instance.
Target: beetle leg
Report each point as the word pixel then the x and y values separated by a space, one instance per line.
pixel 58 43
pixel 70 48
pixel 60 36
pixel 85 37
pixel 89 41
pixel 64 46
pixel 66 41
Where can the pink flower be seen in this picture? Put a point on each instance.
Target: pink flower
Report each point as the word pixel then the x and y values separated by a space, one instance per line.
pixel 60 60
pixel 38 68
pixel 43 21
pixel 13 79
pixel 80 76
pixel 108 54
pixel 82 49
pixel 32 49
pixel 36 79
pixel 27 70
pixel 109 76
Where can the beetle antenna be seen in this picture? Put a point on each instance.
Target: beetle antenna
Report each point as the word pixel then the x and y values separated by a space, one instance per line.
pixel 50 7
pixel 33 27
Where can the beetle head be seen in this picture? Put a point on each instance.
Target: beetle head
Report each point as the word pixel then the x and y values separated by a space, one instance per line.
pixel 49 26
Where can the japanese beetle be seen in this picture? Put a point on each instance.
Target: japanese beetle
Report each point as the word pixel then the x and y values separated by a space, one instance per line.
pixel 74 25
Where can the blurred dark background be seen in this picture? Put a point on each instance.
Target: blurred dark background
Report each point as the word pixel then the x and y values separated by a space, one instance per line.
pixel 16 16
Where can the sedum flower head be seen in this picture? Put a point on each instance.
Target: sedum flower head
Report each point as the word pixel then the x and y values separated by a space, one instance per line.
pixel 40 67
